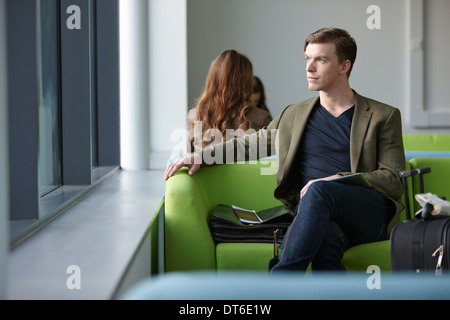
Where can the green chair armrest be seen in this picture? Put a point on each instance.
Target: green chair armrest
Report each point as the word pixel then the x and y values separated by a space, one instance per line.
pixel 188 242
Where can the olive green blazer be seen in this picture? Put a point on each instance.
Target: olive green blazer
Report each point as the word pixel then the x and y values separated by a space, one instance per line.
pixel 376 147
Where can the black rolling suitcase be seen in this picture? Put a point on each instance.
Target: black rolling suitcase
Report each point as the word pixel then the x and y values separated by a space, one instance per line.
pixel 420 244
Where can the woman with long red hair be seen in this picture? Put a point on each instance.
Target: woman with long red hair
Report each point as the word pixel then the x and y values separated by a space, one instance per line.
pixel 226 102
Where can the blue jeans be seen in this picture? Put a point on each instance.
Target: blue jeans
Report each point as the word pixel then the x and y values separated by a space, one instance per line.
pixel 330 218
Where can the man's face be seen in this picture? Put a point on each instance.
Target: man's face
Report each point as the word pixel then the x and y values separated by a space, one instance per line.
pixel 322 67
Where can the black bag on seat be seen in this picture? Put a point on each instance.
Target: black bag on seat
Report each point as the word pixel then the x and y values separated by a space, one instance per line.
pixel 226 226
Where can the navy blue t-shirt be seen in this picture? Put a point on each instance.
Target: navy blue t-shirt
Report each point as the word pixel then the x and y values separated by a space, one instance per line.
pixel 325 146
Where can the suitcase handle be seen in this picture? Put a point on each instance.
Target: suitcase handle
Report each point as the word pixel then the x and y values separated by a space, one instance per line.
pixel 410 173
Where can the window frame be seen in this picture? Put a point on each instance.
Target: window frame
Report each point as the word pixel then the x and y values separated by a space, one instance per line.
pixel 89 104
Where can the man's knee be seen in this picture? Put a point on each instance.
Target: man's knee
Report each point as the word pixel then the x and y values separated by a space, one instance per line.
pixel 319 189
pixel 322 196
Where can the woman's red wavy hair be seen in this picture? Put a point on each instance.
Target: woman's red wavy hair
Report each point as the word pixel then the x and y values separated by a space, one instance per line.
pixel 228 93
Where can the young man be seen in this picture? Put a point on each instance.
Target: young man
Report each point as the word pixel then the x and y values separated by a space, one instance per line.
pixel 335 134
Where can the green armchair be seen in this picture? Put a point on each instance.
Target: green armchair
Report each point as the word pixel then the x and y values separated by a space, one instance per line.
pixel 190 200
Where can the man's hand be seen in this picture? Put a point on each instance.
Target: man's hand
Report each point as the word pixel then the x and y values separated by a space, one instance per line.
pixel 305 188
pixel 192 161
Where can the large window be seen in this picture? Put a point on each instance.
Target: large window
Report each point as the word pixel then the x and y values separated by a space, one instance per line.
pixel 63 105
pixel 48 95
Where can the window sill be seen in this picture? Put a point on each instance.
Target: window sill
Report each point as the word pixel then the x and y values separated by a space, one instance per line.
pixel 55 203
pixel 100 233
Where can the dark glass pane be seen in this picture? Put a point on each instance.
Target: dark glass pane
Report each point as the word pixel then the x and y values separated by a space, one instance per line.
pixel 48 95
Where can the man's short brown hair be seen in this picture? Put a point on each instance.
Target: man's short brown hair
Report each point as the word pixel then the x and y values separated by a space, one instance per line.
pixel 345 44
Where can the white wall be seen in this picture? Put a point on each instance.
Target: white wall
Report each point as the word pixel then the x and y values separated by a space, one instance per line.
pixel 134 105
pixel 168 79
pixel 272 34
pixel 153 71
pixel 437 65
